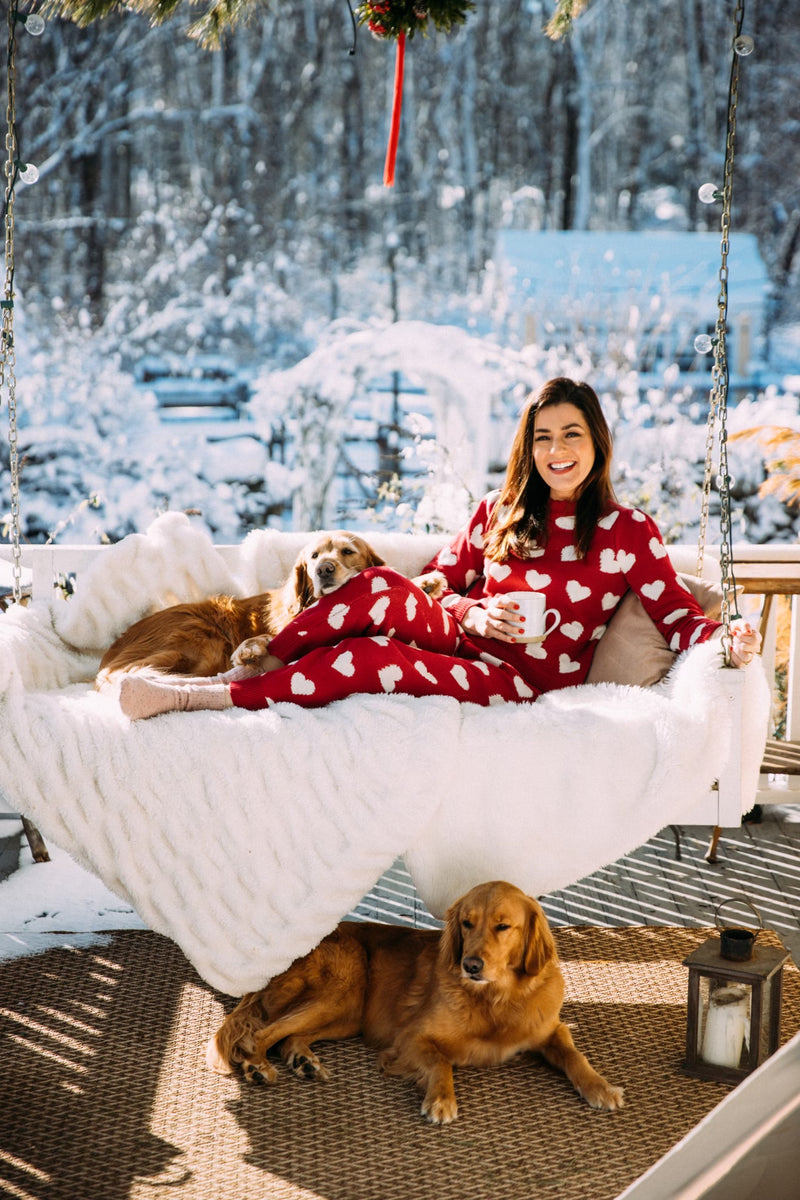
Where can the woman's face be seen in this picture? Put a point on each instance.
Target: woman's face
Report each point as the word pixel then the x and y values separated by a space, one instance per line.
pixel 563 450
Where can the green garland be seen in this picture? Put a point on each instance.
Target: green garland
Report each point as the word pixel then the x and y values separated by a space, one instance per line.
pixel 390 18
pixel 385 18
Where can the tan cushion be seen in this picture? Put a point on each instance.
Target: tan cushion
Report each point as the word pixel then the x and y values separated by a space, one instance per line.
pixel 632 650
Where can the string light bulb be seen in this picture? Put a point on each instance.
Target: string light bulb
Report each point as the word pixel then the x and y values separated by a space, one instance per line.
pixel 34 24
pixel 744 45
pixel 28 173
pixel 704 344
pixel 708 193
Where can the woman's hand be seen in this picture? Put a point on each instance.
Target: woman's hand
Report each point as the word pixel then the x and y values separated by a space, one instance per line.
pixel 499 619
pixel 746 642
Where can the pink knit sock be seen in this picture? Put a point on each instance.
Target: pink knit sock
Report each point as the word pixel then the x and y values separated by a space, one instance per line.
pixel 140 697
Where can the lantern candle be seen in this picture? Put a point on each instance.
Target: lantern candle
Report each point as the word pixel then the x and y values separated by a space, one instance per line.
pixel 727 1026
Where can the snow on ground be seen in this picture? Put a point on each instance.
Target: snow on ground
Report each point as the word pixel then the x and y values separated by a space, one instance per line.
pixel 41 900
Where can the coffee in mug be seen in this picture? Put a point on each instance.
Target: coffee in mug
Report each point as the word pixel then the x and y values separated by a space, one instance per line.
pixel 539 620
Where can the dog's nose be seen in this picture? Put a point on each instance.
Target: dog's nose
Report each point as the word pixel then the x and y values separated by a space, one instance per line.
pixel 326 569
pixel 472 966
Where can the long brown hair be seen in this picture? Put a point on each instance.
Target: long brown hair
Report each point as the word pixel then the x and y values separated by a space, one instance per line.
pixel 520 515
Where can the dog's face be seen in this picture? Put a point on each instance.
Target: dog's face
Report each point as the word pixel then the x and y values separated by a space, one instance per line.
pixel 329 561
pixel 493 933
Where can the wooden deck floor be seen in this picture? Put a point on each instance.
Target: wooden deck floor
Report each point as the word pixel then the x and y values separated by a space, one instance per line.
pixel 652 887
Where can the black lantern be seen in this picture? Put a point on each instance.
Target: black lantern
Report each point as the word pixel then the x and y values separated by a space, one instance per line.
pixel 733 1021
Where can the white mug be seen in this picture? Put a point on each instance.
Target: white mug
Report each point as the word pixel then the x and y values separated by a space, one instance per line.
pixel 532 608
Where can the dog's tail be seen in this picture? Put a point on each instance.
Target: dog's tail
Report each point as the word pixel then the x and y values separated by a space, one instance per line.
pixel 215 1060
pixel 234 1039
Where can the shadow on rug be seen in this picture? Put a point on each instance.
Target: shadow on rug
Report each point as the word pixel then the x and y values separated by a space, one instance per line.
pixel 107 1097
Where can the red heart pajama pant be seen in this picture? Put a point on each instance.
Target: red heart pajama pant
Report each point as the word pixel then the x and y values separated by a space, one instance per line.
pixel 378 633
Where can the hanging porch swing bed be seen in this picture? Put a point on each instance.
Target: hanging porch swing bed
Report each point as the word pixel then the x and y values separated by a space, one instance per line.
pixel 246 836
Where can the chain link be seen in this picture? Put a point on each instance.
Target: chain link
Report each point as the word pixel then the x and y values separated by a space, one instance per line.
pixel 718 399
pixel 8 381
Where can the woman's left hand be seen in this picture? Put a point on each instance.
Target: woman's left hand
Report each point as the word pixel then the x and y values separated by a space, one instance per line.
pixel 746 642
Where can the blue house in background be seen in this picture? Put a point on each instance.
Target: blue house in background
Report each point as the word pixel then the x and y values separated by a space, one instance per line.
pixel 646 294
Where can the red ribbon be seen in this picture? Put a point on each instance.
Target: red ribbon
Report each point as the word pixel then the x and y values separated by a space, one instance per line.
pixel 397 105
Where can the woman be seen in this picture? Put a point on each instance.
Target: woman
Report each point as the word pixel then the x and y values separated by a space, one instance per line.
pixel 554 527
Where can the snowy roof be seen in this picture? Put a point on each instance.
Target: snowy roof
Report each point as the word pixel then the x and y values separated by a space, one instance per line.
pixel 592 270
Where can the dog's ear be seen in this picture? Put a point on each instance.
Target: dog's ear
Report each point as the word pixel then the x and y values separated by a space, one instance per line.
pixel 540 947
pixel 302 588
pixel 450 943
pixel 373 559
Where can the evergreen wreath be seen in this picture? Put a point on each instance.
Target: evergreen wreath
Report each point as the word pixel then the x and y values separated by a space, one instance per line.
pixel 393 18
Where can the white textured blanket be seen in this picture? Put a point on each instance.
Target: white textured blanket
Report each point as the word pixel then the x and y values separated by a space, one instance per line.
pixel 246 836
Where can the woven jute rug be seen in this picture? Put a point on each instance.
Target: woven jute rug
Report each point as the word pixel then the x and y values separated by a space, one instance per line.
pixel 104 1094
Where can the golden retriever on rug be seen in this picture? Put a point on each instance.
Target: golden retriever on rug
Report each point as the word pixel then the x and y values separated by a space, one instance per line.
pixel 203 638
pixel 484 989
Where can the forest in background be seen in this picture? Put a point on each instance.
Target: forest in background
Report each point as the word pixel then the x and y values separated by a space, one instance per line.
pixel 166 169
pixel 231 202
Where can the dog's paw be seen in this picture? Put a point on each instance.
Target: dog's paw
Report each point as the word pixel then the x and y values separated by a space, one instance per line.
pixel 601 1094
pixel 250 652
pixel 306 1065
pixel 439 1110
pixel 259 1072
pixel 433 584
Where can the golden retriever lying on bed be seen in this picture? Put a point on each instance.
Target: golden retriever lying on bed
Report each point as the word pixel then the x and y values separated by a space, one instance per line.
pixel 203 638
pixel 486 988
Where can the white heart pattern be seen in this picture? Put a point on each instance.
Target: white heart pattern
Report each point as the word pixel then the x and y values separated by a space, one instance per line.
pixel 337 615
pixel 566 665
pixel 608 520
pixel 424 672
pixel 411 606
pixel 610 600
pixel 476 537
pixel 598 632
pixel 378 610
pixel 537 580
pixel 565 522
pixel 344 664
pixel 498 570
pixel 389 676
pixel 653 590
pixel 676 616
pixel 572 630
pixel 447 557
pixel 460 676
pixel 535 650
pixel 576 591
pixel 658 549
pixel 522 688
pixel 302 686
pixel 569 554
pixel 613 563
pixel 638 515
pixel 379 584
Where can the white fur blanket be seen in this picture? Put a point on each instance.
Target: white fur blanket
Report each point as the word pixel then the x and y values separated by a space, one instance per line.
pixel 245 836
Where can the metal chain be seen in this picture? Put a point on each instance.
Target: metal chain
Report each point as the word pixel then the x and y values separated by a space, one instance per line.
pixel 718 400
pixel 7 350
